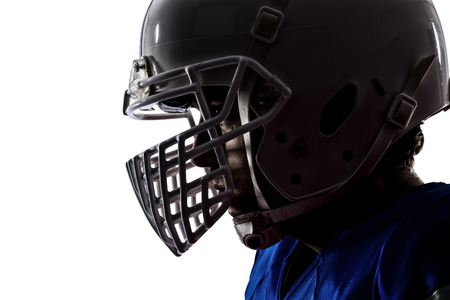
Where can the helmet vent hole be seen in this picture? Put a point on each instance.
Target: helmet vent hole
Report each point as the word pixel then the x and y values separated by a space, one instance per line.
pixel 296 179
pixel 347 155
pixel 378 87
pixel 337 110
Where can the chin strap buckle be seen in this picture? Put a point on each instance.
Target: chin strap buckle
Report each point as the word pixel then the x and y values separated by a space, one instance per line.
pixel 267 24
pixel 256 231
pixel 404 105
pixel 402 110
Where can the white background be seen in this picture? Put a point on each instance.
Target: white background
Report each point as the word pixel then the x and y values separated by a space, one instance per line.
pixel 70 226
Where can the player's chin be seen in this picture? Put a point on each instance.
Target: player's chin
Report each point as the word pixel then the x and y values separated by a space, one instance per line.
pixel 234 212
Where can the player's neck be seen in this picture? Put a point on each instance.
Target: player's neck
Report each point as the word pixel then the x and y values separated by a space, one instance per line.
pixel 316 228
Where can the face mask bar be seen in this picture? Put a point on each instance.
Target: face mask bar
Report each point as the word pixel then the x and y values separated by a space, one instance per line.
pixel 180 204
pixel 179 212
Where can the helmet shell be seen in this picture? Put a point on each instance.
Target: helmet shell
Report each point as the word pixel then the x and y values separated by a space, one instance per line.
pixel 345 62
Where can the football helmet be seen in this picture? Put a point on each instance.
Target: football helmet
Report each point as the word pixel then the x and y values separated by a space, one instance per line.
pixel 322 87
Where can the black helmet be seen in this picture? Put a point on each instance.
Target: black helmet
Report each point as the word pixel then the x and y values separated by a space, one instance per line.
pixel 323 88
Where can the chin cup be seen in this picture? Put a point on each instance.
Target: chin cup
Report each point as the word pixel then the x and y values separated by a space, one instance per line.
pixel 257 231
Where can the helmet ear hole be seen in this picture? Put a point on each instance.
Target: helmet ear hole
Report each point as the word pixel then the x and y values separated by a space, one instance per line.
pixel 337 110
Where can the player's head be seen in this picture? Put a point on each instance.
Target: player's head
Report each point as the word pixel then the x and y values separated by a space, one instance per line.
pixel 315 90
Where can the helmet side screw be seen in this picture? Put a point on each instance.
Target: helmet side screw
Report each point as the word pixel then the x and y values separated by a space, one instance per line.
pixel 299 148
pixel 135 66
pixel 139 64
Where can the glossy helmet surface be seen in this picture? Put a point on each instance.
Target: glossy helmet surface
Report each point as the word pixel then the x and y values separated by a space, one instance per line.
pixel 323 88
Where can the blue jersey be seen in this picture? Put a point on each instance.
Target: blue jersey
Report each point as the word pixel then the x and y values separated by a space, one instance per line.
pixel 402 252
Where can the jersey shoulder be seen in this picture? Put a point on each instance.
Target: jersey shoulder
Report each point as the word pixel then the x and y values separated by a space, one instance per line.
pixel 267 268
pixel 415 259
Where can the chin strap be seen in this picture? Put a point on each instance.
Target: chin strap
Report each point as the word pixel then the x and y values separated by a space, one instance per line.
pixel 259 230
